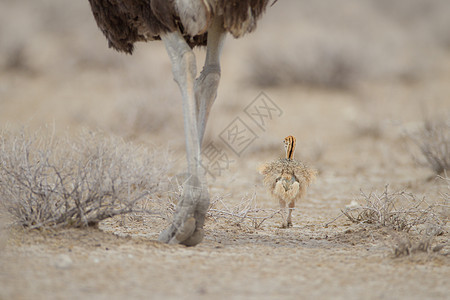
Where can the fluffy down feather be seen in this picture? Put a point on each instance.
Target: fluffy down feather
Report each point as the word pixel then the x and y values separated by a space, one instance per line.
pixel 287 181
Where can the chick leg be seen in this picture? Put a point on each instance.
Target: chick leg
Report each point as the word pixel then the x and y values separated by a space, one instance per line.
pixel 283 210
pixel 289 218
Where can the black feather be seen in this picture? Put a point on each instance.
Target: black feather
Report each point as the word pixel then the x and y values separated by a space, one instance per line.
pixel 125 22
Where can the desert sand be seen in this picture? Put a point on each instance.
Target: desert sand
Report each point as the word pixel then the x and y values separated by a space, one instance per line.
pixel 351 83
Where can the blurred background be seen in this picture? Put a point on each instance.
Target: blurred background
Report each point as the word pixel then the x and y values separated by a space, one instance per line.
pixel 329 67
pixel 354 80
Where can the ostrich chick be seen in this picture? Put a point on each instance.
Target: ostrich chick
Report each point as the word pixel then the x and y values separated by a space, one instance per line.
pixel 287 180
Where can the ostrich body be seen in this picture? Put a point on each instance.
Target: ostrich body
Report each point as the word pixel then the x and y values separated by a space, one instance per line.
pixel 182 25
pixel 287 180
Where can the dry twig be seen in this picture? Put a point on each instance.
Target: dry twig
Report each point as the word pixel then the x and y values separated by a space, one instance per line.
pixel 246 210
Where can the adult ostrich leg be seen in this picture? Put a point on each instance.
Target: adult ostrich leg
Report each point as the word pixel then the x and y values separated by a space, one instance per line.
pixel 198 96
pixel 183 25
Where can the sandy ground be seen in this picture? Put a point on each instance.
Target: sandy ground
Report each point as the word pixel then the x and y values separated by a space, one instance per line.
pixel 354 137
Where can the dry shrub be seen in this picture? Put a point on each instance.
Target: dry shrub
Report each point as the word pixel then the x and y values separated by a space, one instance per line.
pixel 400 211
pixel 245 213
pixel 434 142
pixel 405 245
pixel 52 182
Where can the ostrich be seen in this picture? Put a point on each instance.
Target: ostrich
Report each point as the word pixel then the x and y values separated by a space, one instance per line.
pixel 182 25
pixel 287 180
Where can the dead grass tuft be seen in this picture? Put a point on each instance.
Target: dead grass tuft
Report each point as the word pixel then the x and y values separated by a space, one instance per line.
pixel 434 142
pixel 53 182
pixel 400 211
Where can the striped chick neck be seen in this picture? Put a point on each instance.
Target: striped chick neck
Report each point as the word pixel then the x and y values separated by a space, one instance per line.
pixel 289 145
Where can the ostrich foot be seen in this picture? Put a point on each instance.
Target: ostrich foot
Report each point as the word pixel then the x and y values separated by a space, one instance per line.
pixel 187 226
